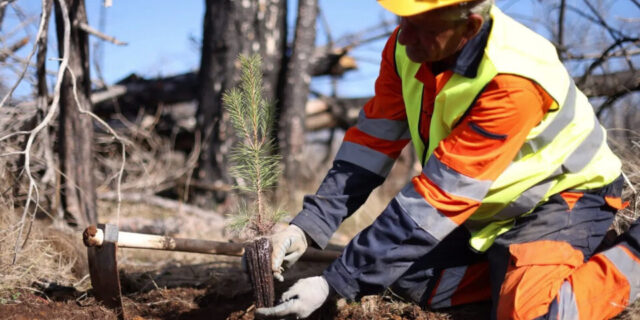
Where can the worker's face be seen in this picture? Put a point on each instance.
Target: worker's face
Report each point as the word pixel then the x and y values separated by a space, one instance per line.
pixel 430 38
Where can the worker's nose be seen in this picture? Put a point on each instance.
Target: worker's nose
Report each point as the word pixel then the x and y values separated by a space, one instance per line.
pixel 407 33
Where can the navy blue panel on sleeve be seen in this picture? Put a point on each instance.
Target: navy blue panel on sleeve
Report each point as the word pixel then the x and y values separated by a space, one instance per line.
pixel 379 255
pixel 344 189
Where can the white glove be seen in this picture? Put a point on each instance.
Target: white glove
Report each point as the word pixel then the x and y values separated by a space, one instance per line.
pixel 302 299
pixel 288 246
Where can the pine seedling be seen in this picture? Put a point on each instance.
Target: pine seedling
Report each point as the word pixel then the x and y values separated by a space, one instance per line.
pixel 255 166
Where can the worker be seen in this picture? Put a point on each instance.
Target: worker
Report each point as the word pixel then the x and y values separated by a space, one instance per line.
pixel 517 190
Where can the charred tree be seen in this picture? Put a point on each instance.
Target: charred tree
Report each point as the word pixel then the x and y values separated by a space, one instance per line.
pixel 298 78
pixel 42 99
pixel 231 28
pixel 2 8
pixel 76 130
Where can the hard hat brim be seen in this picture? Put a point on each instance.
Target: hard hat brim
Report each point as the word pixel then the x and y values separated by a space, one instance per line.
pixel 405 8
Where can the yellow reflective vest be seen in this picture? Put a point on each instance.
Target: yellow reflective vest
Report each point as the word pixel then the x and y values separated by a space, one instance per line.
pixel 566 150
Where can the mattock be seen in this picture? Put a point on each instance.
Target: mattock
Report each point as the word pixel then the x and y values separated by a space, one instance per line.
pixel 102 241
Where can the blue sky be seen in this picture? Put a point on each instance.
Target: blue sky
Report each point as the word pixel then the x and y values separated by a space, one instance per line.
pixel 163 35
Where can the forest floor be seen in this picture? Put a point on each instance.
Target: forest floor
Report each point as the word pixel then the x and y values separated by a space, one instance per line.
pixel 165 285
pixel 175 292
pixel 168 286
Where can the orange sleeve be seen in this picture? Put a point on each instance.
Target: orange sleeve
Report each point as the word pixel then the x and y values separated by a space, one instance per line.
pixel 387 104
pixel 488 138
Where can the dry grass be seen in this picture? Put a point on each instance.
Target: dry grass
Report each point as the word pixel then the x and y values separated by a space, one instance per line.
pixel 49 255
pixel 626 144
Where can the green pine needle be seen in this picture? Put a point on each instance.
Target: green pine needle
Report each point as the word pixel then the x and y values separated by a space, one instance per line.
pixel 255 166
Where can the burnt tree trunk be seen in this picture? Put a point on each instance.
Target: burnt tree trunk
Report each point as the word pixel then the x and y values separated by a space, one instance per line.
pixel 42 99
pixel 232 28
pixel 2 8
pixel 76 129
pixel 292 117
pixel 258 255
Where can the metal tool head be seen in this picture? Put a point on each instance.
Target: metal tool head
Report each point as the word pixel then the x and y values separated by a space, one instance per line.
pixel 103 267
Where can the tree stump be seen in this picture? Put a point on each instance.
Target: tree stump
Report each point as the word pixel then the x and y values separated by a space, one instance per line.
pixel 258 258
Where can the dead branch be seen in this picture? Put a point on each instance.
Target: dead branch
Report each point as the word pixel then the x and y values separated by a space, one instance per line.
pixel 45 122
pixel 108 94
pixel 619 53
pixel 560 48
pixel 329 112
pixel 373 33
pixel 23 25
pixel 611 84
pixel 33 50
pixel 88 29
pixel 23 61
pixel 4 53
pixel 42 92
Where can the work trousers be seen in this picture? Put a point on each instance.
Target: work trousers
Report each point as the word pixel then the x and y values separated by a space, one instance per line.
pixel 548 266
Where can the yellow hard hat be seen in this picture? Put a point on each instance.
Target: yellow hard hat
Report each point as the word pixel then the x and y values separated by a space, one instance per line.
pixel 405 8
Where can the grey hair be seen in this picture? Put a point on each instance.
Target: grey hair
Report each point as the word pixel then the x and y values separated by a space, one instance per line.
pixel 463 10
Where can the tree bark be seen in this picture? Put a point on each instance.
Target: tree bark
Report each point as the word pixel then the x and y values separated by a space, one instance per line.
pixel 298 78
pixel 232 28
pixel 49 177
pixel 76 130
pixel 2 8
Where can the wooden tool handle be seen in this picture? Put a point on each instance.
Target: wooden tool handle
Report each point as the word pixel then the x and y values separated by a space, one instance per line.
pixel 94 236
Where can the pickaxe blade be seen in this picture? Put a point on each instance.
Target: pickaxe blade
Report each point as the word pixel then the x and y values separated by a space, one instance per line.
pixel 103 267
pixel 102 242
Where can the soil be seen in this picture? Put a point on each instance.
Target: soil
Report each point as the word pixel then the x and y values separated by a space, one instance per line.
pixel 217 290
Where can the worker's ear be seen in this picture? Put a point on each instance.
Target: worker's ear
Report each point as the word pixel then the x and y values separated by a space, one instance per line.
pixel 474 23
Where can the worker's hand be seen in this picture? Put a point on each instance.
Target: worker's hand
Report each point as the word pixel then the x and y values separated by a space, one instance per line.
pixel 288 246
pixel 302 299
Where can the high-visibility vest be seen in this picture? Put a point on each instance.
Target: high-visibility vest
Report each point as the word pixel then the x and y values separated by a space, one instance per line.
pixel 566 150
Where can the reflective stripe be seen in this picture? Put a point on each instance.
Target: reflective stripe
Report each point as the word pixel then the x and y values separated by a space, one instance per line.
pixel 386 129
pixel 367 158
pixel 575 162
pixel 423 214
pixel 567 305
pixel 447 286
pixel 587 149
pixel 628 266
pixel 562 119
pixel 453 182
pixel 526 201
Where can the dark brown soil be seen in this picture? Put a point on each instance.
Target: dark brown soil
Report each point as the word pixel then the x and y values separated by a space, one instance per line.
pixel 212 291
pixel 179 292
pixel 189 303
